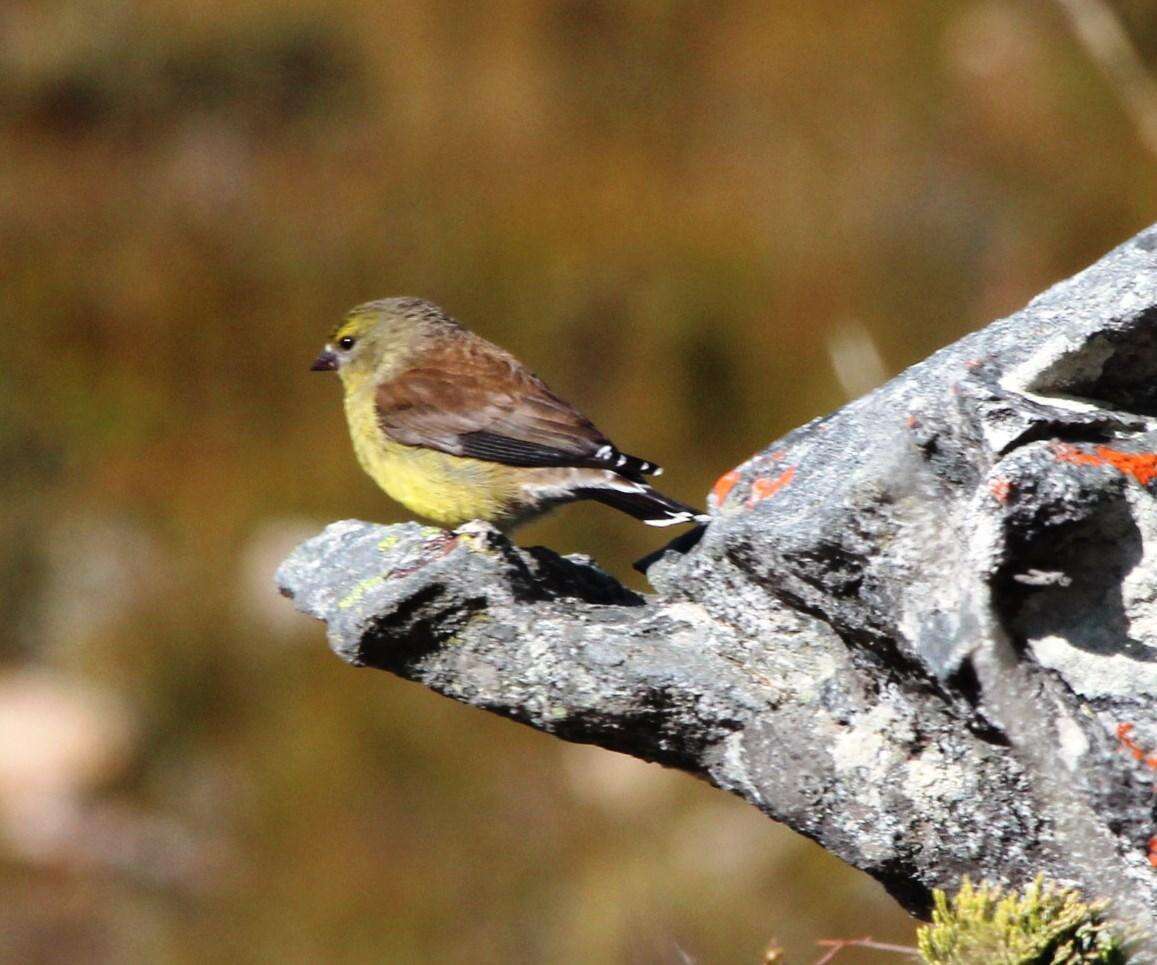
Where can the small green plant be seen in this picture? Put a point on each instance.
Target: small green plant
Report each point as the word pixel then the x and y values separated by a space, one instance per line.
pixel 1041 925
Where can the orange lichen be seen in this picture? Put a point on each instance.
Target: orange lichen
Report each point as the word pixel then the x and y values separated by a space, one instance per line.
pixel 762 488
pixel 1126 739
pixel 1001 489
pixel 723 485
pixel 1142 466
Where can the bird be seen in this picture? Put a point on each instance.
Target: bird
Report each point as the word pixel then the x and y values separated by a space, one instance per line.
pixel 456 429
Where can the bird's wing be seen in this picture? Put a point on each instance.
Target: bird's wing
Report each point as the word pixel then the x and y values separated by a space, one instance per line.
pixel 475 400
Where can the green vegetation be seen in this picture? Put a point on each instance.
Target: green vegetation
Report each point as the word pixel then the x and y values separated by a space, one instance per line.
pixel 1044 924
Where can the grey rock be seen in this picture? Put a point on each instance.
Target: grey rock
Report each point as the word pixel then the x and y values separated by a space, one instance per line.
pixel 920 630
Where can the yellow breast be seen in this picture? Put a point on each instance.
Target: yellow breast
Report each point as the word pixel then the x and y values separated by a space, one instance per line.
pixel 447 489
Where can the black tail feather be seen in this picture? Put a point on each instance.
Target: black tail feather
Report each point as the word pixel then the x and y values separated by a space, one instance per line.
pixel 681 544
pixel 646 503
pixel 632 467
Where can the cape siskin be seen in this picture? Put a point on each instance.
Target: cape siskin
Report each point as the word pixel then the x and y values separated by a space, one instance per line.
pixel 455 428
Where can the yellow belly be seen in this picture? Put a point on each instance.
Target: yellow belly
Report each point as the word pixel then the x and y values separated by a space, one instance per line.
pixel 446 489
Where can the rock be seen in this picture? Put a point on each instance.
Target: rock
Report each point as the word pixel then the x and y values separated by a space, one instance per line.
pixel 922 630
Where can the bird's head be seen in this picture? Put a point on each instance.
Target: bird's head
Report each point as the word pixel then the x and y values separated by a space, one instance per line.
pixel 375 332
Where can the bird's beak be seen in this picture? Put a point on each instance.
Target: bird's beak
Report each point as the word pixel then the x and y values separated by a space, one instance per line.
pixel 326 362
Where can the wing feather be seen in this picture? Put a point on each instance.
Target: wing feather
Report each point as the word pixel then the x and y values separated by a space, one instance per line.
pixel 470 398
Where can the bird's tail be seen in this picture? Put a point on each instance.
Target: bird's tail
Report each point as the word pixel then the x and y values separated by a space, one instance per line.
pixel 632 467
pixel 646 503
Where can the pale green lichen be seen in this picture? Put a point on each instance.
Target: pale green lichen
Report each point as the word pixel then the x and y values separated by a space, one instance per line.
pixel 1044 924
pixel 360 590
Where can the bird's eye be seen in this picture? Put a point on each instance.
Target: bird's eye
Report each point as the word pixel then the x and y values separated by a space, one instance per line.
pixel 346 343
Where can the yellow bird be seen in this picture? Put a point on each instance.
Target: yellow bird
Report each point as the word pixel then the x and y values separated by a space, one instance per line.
pixel 455 428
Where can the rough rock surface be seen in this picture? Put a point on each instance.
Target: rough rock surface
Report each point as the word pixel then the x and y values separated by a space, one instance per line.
pixel 922 630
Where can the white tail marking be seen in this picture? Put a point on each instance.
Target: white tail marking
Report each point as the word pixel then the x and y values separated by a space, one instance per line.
pixel 676 518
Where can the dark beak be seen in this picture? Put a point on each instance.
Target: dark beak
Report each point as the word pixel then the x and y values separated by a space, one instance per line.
pixel 326 362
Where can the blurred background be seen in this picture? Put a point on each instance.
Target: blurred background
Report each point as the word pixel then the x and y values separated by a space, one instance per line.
pixel 703 222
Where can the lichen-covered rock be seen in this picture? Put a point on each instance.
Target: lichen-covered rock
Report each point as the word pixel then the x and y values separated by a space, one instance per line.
pixel 922 630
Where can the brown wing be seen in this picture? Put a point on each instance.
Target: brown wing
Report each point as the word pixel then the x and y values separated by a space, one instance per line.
pixel 470 398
